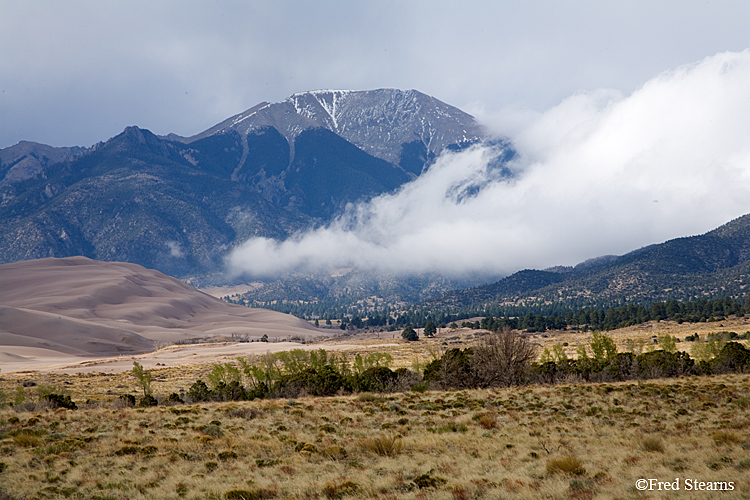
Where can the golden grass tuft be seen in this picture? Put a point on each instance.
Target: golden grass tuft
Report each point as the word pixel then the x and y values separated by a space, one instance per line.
pixel 726 438
pixel 383 445
pixel 652 444
pixel 569 464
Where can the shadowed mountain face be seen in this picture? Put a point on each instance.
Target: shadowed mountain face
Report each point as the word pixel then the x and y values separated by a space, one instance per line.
pixel 715 264
pixel 85 307
pixel 178 204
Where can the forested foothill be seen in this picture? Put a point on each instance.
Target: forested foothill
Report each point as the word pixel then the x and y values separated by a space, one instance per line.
pixel 529 319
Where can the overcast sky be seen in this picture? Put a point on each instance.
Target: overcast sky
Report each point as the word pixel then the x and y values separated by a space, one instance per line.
pixel 630 118
pixel 76 72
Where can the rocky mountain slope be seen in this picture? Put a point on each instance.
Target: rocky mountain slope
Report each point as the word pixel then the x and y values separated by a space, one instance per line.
pixel 403 127
pixel 178 204
pixel 715 264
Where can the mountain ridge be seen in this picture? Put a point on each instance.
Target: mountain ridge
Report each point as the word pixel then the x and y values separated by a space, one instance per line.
pixel 716 263
pixel 410 116
pixel 179 204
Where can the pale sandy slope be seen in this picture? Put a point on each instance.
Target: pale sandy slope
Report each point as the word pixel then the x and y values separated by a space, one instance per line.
pixel 58 310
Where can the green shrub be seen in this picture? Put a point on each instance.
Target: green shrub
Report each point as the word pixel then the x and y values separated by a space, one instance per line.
pixel 733 358
pixel 175 398
pixel 144 378
pixel 227 455
pixel 581 485
pixel 60 401
pixel 428 481
pixel 233 391
pixel 128 450
pixel 662 364
pixel 199 392
pixel 452 370
pixel 325 381
pixel 147 400
pixel 410 334
pixel 328 428
pixel 377 379
pixel 127 399
pixel 212 430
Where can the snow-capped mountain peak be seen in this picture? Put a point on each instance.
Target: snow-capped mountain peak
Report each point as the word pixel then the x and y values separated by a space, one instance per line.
pixel 380 122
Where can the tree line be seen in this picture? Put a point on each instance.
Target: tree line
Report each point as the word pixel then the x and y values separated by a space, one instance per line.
pixel 530 319
pixel 620 317
pixel 500 359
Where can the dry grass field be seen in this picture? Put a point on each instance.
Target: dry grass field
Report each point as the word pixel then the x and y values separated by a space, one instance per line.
pixel 534 442
pixel 565 441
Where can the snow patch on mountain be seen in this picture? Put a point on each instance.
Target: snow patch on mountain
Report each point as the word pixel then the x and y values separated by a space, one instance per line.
pixel 377 121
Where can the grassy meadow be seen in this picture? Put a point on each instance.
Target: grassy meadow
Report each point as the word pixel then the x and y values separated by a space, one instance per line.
pixel 551 442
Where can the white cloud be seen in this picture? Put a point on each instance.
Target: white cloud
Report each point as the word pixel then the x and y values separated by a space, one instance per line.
pixel 599 173
pixel 175 249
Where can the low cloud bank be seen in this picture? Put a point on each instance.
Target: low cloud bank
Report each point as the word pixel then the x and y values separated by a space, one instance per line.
pixel 600 173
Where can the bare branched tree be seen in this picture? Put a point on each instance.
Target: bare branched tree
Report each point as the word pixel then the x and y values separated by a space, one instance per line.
pixel 502 359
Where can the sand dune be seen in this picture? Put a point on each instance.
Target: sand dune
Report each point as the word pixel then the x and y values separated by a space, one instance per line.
pixel 82 307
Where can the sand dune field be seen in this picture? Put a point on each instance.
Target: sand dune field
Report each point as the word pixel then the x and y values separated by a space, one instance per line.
pixel 76 310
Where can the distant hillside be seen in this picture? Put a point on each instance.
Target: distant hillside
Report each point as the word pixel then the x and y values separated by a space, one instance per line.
pixel 715 264
pixel 179 204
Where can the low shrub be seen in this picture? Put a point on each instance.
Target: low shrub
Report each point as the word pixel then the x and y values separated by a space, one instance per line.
pixel 175 398
pixel 335 491
pixel 428 481
pixel 212 430
pixel 335 452
pixel 227 455
pixel 199 392
pixel 487 421
pixel 128 450
pixel 126 400
pixel 147 400
pixel 267 462
pixel 60 401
